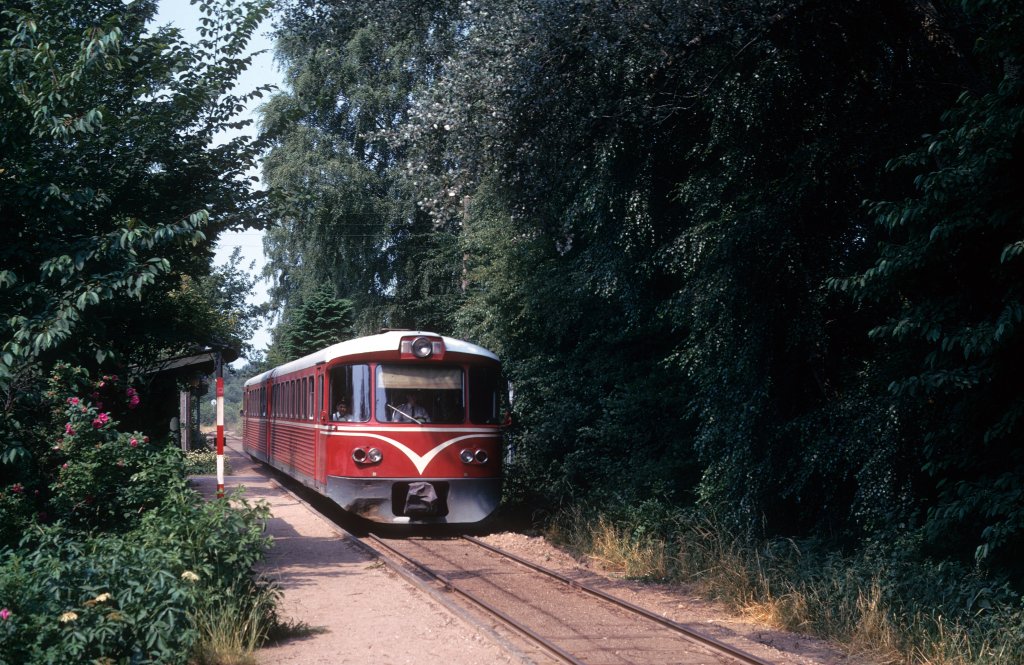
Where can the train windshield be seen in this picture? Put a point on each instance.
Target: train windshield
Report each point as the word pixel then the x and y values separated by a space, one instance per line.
pixel 419 394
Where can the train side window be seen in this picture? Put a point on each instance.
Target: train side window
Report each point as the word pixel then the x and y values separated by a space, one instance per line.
pixel 350 384
pixel 485 394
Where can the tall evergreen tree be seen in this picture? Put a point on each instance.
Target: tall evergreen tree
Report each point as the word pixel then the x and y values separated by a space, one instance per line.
pixel 321 320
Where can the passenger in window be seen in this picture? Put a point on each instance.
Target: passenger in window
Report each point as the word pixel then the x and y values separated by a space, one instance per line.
pixel 341 413
pixel 409 412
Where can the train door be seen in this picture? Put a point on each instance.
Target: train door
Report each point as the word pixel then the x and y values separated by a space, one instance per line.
pixel 268 410
pixel 320 411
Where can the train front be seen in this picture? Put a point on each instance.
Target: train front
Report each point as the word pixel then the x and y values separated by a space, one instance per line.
pixel 414 434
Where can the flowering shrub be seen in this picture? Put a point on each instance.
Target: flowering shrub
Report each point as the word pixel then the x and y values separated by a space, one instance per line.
pixel 104 478
pixel 105 554
pixel 128 597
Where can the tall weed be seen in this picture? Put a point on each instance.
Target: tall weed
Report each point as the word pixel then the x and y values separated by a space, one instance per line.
pixel 887 600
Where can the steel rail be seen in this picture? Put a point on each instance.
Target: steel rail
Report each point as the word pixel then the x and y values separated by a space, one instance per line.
pixel 625 604
pixel 451 586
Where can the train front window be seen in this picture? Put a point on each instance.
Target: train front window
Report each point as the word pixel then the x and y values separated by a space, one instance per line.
pixel 486 391
pixel 419 394
pixel 350 393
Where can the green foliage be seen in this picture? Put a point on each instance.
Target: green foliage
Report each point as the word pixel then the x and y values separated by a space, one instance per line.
pixel 80 601
pixel 201 463
pixel 110 188
pixel 948 282
pixel 887 600
pixel 106 554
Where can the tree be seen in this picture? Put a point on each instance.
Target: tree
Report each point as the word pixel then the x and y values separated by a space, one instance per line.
pixel 321 320
pixel 110 187
pixel 111 193
pixel 947 285
pixel 678 182
pixel 344 215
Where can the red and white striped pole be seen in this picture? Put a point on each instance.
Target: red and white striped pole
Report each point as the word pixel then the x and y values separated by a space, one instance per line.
pixel 220 427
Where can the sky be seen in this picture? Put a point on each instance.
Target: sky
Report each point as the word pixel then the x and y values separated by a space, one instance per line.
pixel 183 14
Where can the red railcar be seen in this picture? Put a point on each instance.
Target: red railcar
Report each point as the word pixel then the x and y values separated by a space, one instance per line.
pixel 398 427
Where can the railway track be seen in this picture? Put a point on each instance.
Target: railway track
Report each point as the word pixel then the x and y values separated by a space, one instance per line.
pixel 570 621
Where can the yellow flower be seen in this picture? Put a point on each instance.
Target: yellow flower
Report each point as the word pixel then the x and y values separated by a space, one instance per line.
pixel 102 598
pixel 68 616
pixel 189 576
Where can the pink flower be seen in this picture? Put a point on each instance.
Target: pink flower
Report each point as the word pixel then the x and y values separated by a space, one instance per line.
pixel 64 465
pixel 145 439
pixel 68 430
pixel 133 402
pixel 101 420
pixel 73 401
pixel 5 614
pixel 17 488
pixel 134 443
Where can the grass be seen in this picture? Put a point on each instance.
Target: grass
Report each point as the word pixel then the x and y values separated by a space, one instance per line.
pixel 881 604
pixel 231 628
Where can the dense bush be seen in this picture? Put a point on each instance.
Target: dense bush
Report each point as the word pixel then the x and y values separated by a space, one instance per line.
pixel 105 554
pixel 129 597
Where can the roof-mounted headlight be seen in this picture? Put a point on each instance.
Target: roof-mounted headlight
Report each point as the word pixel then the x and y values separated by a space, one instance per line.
pixel 422 347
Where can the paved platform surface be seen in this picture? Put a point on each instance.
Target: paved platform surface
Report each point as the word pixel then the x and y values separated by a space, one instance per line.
pixel 367 613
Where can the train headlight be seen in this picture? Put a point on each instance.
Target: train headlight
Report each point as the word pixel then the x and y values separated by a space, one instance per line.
pixel 422 347
pixel 359 455
pixel 466 456
pixel 481 456
pixel 374 455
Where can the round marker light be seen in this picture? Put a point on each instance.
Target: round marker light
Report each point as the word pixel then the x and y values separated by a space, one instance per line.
pixel 481 456
pixel 359 455
pixel 466 456
pixel 374 455
pixel 422 347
